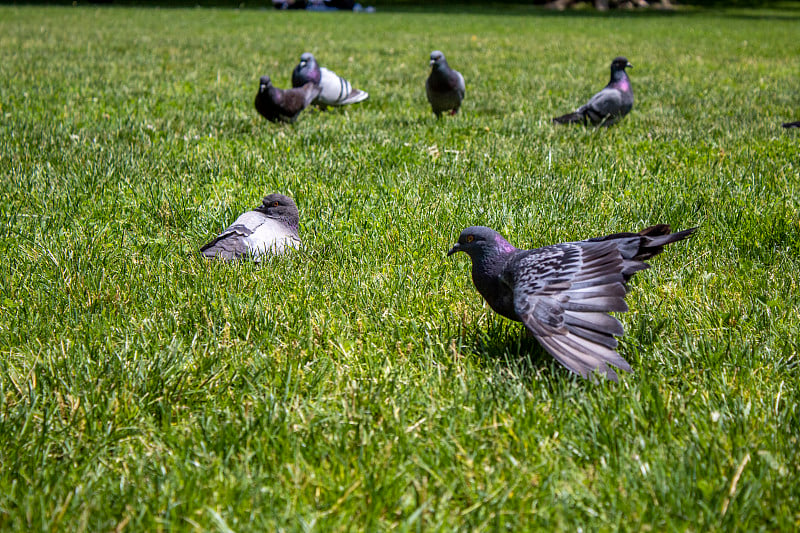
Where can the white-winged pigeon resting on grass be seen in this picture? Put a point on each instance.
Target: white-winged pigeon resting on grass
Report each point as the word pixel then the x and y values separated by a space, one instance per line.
pixel 445 87
pixel 271 228
pixel 609 105
pixel 564 292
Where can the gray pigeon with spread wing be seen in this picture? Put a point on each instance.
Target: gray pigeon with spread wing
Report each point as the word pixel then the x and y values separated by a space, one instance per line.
pixel 271 228
pixel 334 90
pixel 564 292
pixel 283 104
pixel 609 105
pixel 445 87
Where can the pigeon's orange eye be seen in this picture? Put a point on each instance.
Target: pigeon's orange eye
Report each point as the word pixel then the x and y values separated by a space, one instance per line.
pixel 274 204
pixel 470 238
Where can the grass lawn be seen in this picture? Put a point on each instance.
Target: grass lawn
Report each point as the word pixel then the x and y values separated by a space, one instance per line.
pixel 362 384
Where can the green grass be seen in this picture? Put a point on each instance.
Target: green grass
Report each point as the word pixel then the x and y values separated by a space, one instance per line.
pixel 362 384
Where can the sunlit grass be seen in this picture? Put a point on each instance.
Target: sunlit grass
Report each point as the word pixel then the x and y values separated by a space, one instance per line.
pixel 361 383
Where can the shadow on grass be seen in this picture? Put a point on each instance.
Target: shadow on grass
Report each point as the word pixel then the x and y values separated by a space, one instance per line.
pixel 511 346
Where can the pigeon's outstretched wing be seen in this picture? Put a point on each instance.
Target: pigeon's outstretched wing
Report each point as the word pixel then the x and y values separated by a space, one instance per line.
pixel 564 292
pixel 252 234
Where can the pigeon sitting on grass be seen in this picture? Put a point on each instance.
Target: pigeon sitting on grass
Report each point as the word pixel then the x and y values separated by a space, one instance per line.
pixel 609 105
pixel 445 87
pixel 334 90
pixel 271 228
pixel 564 292
pixel 283 105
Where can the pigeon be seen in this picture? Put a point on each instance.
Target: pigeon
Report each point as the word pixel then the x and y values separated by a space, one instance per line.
pixel 788 125
pixel 444 86
pixel 564 292
pixel 283 105
pixel 334 90
pixel 271 228
pixel 609 105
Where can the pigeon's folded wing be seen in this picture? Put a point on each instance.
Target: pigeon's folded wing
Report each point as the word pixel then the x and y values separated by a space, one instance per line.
pixel 563 294
pixel 461 87
pixel 607 103
pixel 335 90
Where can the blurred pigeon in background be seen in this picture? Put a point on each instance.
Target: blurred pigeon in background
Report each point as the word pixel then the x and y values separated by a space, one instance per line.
pixel 283 105
pixel 444 86
pixel 609 105
pixel 334 90
pixel 791 124
pixel 271 228
pixel 564 292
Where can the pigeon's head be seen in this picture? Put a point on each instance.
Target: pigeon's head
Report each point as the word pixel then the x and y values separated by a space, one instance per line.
pixel 307 59
pixel 437 59
pixel 306 70
pixel 478 241
pixel 620 63
pixel 281 206
pixel 264 83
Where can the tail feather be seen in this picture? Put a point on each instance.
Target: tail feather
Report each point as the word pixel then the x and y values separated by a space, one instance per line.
pixel 636 248
pixel 654 242
pixel 570 118
pixel 355 96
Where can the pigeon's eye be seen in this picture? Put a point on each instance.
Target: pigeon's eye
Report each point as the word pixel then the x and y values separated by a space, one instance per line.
pixel 470 238
pixel 275 204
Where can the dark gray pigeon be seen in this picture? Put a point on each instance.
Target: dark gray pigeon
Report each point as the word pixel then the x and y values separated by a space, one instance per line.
pixel 283 105
pixel 564 292
pixel 271 228
pixel 334 90
pixel 444 86
pixel 791 124
pixel 609 105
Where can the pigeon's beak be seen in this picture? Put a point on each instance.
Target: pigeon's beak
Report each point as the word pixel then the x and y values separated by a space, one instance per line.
pixel 454 249
pixel 432 62
pixel 628 65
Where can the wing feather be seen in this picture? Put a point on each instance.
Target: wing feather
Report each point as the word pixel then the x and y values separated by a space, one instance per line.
pixel 563 294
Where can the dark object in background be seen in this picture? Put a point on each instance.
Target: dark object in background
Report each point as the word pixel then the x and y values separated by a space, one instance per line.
pixel 341 4
pixel 289 4
pixel 791 124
